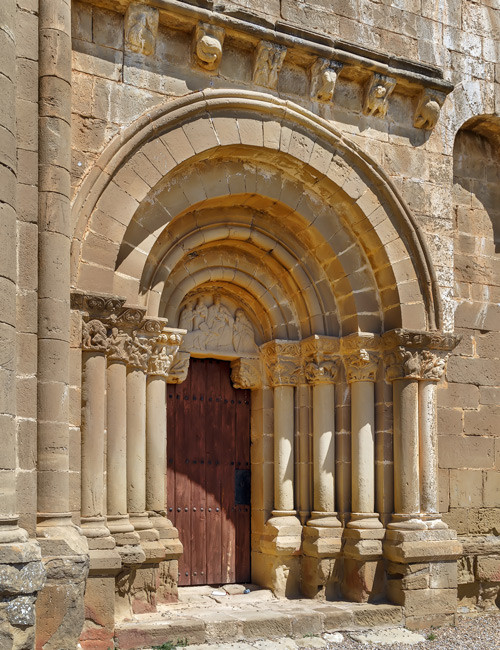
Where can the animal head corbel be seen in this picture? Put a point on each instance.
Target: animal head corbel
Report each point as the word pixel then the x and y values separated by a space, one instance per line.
pixel 428 109
pixel 207 46
pixel 377 92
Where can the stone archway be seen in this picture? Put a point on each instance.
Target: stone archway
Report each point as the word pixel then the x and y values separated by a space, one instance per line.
pixel 264 204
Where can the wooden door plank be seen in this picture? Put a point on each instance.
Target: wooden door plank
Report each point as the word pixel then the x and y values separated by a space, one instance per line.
pixel 228 538
pixel 213 444
pixel 183 483
pixel 197 475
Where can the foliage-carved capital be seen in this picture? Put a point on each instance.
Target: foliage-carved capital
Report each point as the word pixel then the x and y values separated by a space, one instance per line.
pixel 283 362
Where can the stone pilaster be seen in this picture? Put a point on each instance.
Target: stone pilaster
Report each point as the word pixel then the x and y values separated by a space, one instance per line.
pixel 322 534
pixel 364 532
pixel 421 551
pixel 281 540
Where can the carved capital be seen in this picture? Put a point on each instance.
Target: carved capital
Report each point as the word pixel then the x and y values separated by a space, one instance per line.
pixel 269 59
pixel 141 28
pixel 163 350
pixel 179 368
pixel 137 351
pixel 207 46
pixel 246 373
pixel 116 344
pixel 376 96
pixel 417 355
pixel 283 362
pixel 428 109
pixel 94 336
pixel 321 359
pixel 323 74
pixel 361 356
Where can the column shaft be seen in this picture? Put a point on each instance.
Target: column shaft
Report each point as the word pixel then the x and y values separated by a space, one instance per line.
pixel 156 443
pixel 406 463
pixel 93 424
pixel 363 446
pixel 117 438
pixel 428 447
pixel 324 447
pixel 283 448
pixel 136 441
pixel 303 462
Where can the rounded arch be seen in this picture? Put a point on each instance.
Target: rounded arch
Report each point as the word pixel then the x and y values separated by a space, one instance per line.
pixel 297 197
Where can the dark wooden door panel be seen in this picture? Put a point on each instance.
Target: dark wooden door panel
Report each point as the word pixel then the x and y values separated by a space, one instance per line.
pixel 208 424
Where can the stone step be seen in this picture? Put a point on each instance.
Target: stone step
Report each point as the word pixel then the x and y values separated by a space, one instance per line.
pixel 231 623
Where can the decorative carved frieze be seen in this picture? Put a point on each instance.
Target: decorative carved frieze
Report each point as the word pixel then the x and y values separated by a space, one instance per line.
pixel 323 74
pixel 246 373
pixel 377 92
pixel 361 356
pixel 207 46
pixel 94 336
pixel 283 362
pixel 428 109
pixel 212 326
pixel 163 351
pixel 102 307
pixel 417 355
pixel 179 368
pixel 141 28
pixel 269 59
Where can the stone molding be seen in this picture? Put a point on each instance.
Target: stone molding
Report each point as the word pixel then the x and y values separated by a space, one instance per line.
pixel 207 46
pixel 417 355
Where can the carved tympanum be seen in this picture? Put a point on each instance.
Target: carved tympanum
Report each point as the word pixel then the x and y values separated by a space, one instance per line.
pixel 323 73
pixel 207 47
pixel 377 92
pixel 141 28
pixel 428 109
pixel 269 58
pixel 215 328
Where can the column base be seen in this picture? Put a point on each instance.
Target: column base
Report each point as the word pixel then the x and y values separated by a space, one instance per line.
pixel 364 521
pixel 324 520
pixel 320 564
pixel 422 574
pixel 148 535
pixel 127 540
pixel 23 575
pixel 278 564
pixel 364 573
pixel 65 555
pixel 168 570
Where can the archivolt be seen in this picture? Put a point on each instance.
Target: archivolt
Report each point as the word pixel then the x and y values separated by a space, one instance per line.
pixel 264 181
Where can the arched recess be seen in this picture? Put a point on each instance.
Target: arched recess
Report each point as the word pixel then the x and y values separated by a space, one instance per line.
pixel 241 189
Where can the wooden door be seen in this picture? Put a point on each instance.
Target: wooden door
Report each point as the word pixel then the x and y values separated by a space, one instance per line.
pixel 208 474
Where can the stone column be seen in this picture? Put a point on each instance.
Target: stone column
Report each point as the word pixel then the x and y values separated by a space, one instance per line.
pixel 138 354
pixel 127 540
pixel 58 537
pixel 165 348
pixel 364 532
pixel 416 536
pixel 322 534
pixel 282 536
pixel 22 572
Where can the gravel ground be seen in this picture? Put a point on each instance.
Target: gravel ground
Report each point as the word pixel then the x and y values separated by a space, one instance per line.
pixel 471 633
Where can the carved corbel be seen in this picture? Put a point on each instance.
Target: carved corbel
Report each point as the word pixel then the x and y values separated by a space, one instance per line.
pixel 283 362
pixel 323 74
pixel 246 373
pixel 207 46
pixel 94 336
pixel 361 357
pixel 376 96
pixel 428 109
pixel 141 28
pixel 269 59
pixel 179 368
pixel 163 351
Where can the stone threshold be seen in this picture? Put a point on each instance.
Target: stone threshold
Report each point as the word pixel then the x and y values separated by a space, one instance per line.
pixel 201 617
